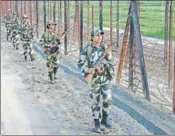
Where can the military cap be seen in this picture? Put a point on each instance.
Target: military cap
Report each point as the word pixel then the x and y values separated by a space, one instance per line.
pixel 96 32
pixel 50 22
pixel 25 16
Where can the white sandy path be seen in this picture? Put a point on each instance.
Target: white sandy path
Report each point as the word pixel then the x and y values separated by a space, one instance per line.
pixel 12 113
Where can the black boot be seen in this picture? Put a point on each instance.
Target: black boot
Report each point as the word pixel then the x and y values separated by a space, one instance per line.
pixel 51 77
pixel 96 126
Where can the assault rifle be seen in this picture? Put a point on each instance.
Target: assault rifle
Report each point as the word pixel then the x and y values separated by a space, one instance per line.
pixel 52 44
pixel 99 63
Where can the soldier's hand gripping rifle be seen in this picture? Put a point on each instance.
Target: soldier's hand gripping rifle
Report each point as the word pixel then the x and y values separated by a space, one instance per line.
pixel 99 63
pixel 53 44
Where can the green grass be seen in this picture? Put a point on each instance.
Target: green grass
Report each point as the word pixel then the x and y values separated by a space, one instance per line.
pixel 151 16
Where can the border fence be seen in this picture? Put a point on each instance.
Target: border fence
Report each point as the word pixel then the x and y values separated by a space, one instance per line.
pixel 142 34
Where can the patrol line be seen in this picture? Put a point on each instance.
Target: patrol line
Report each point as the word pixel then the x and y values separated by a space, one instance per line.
pixel 40 51
pixel 116 101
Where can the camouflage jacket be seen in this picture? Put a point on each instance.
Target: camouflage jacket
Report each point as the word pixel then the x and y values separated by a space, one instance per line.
pixel 89 56
pixel 23 30
pixel 7 19
pixel 24 27
pixel 49 37
pixel 15 23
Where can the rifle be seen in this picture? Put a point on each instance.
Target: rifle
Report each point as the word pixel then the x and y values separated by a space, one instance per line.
pixel 99 63
pixel 58 41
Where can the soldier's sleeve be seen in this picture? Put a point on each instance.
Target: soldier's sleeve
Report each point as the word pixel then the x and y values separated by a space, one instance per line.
pixel 83 62
pixel 54 36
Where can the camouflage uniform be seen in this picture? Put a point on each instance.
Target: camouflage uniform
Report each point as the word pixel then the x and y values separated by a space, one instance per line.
pixel 14 30
pixel 7 21
pixel 101 82
pixel 26 38
pixel 15 22
pixel 49 38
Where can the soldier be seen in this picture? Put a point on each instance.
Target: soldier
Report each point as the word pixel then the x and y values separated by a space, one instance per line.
pixel 7 21
pixel 8 16
pixel 14 29
pixel 50 42
pixel 26 36
pixel 15 19
pixel 101 79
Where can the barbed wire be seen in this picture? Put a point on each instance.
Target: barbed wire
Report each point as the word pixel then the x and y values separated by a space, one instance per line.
pixel 154 54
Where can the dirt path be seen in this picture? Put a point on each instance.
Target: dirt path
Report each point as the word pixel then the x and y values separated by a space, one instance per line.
pixel 34 106
pixel 12 111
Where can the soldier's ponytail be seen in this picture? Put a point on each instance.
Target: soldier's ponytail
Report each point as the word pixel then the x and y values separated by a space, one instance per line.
pixel 91 39
pixel 47 26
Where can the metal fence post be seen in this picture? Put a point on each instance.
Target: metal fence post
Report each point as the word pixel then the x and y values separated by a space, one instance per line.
pixel 124 48
pixel 140 50
pixel 131 53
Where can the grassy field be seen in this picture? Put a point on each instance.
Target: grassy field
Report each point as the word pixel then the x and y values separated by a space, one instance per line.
pixel 151 15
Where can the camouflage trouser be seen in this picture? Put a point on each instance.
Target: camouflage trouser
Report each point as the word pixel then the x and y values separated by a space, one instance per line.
pixel 8 32
pixel 15 39
pixel 28 49
pixel 101 97
pixel 52 63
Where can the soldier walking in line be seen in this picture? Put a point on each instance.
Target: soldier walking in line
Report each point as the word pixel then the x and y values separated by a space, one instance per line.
pixel 26 36
pixel 7 21
pixel 14 29
pixel 50 43
pixel 99 78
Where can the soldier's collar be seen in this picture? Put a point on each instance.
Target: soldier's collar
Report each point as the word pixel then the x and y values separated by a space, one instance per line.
pixel 101 45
